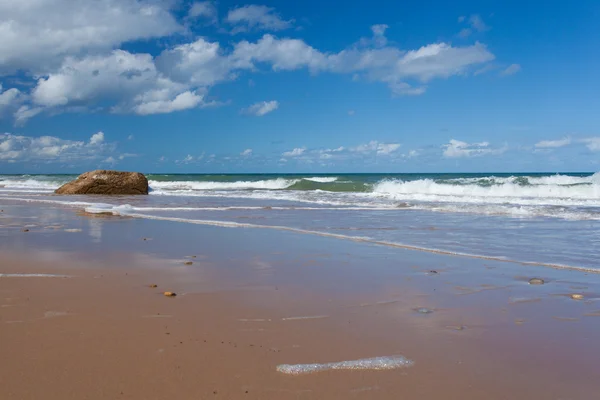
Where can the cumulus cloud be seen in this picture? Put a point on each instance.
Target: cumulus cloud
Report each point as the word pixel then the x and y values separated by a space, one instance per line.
pixel 97 138
pixel 389 65
pixel 511 70
pixel 553 144
pixel 76 63
pixel 458 149
pixel 255 17
pixel 51 149
pixel 246 153
pixel 36 35
pixel 261 108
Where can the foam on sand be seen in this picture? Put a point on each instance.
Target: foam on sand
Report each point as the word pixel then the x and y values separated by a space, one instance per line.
pixel 376 363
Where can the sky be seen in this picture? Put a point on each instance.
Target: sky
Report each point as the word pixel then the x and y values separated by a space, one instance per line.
pixel 180 86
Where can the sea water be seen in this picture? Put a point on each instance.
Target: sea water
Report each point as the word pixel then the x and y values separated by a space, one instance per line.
pixel 551 220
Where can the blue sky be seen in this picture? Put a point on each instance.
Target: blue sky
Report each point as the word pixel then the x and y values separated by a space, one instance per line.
pixel 279 86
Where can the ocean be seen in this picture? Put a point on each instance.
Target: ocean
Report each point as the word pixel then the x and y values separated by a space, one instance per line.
pixel 550 220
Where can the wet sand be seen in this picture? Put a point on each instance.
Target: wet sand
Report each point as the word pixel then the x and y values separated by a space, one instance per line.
pixel 253 300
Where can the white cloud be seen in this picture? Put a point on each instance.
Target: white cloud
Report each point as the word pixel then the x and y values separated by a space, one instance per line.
pixel 8 98
pixel 387 148
pixel 110 160
pixel 261 108
pixel 476 24
pixel 181 76
pixel 255 17
pixel 465 32
pixel 182 101
pixel 204 9
pixel 51 149
pixel 130 137
pixel 511 70
pixel 379 39
pixel 200 63
pixel 97 138
pixel 592 143
pixel 188 159
pixel 552 144
pixel 457 149
pixel 25 112
pixel 375 147
pixel 387 64
pixel 298 151
pixel 246 153
pixel 36 35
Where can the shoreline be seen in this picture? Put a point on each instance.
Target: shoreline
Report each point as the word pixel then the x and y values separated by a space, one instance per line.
pixel 114 211
pixel 473 328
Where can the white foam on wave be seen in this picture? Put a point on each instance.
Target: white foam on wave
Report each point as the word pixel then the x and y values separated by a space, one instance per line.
pixel 550 193
pixel 376 363
pixel 29 184
pixel 322 179
pixel 272 184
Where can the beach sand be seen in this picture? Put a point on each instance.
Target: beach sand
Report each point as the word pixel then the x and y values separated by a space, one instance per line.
pixel 252 300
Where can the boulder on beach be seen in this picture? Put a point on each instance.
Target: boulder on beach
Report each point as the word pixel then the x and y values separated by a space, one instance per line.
pixel 106 182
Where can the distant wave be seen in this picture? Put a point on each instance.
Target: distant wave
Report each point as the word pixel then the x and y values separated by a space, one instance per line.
pixel 553 190
pixel 322 179
pixel 270 184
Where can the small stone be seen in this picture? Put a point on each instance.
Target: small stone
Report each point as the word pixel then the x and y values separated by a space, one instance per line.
pixel 536 281
pixel 170 294
pixel 577 296
pixel 25 230
pixel 153 285
pixel 188 263
pixel 433 272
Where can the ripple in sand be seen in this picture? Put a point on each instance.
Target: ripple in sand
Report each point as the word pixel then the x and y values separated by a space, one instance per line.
pixel 376 363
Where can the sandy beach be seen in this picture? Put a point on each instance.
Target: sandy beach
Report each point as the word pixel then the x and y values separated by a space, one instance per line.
pixel 93 327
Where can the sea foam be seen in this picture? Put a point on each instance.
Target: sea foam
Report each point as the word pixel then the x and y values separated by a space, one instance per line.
pixel 376 363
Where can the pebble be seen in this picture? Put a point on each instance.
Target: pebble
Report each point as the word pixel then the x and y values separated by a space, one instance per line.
pixel 153 285
pixel 170 294
pixel 188 263
pixel 536 281
pixel 25 230
pixel 577 296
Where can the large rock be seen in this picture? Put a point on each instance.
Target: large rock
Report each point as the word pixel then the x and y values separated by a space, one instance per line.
pixel 106 182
